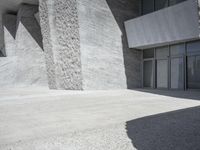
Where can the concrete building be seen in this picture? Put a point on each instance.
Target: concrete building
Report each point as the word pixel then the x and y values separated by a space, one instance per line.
pixel 100 44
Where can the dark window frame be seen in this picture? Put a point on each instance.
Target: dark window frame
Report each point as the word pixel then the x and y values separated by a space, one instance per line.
pixel 154 9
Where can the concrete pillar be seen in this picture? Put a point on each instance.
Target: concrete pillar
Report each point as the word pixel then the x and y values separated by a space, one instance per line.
pixel 60 29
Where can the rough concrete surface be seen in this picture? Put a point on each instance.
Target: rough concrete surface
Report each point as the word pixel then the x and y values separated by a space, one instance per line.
pixel 59 25
pixel 39 119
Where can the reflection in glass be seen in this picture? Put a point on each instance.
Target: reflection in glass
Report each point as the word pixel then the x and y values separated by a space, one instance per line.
pixel 173 2
pixel 148 53
pixel 193 72
pixel 193 47
pixel 178 49
pixel 162 73
pixel 177 78
pixel 147 6
pixel 161 4
pixel 162 52
pixel 148 73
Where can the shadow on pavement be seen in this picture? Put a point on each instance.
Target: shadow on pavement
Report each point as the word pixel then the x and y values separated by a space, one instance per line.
pixel 190 94
pixel 177 130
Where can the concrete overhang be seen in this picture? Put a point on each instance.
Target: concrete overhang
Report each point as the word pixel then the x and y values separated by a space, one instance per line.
pixel 178 23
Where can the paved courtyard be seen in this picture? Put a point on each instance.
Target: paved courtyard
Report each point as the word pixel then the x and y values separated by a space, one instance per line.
pixel 41 119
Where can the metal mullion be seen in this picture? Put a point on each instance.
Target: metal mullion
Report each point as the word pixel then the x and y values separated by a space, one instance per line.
pixel 185 68
pixel 154 69
pixel 142 68
pixel 169 69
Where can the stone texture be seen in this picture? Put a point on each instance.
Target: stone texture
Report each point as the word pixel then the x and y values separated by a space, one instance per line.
pixel 59 24
pixel 107 62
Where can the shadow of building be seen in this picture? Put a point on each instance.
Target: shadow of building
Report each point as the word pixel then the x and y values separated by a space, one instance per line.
pixel 178 130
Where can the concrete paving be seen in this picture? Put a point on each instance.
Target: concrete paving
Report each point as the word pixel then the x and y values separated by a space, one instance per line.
pixel 41 119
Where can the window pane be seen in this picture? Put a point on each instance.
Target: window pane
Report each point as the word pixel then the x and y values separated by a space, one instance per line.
pixel 177 78
pixel 148 53
pixel 177 49
pixel 148 73
pixel 193 47
pixel 147 6
pixel 173 2
pixel 193 71
pixel 161 4
pixel 162 73
pixel 162 52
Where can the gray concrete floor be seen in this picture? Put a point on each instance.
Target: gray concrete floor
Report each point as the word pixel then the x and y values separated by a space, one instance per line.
pixel 41 119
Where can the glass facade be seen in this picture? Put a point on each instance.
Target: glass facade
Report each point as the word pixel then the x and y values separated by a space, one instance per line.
pixel 177 74
pixel 148 73
pixel 149 6
pixel 160 4
pixel 193 67
pixel 162 73
pixel 172 67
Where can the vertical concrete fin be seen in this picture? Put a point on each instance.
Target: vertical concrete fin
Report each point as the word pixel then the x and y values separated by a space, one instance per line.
pixel 60 30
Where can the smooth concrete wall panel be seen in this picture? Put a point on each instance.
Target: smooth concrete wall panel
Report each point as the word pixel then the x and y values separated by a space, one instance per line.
pixel 177 23
pixel 37 17
pixel 31 61
pixel 107 62
pixel 8 70
pixel 24 65
pixel 59 24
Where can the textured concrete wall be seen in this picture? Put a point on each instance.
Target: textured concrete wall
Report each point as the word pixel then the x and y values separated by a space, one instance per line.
pixel 177 23
pixel 107 62
pixel 59 24
pixel 25 64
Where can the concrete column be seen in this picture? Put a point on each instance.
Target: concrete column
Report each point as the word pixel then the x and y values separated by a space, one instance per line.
pixel 60 30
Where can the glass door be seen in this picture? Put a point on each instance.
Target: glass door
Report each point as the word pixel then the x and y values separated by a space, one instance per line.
pixel 193 72
pixel 148 73
pixel 162 67
pixel 177 71
pixel 193 65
